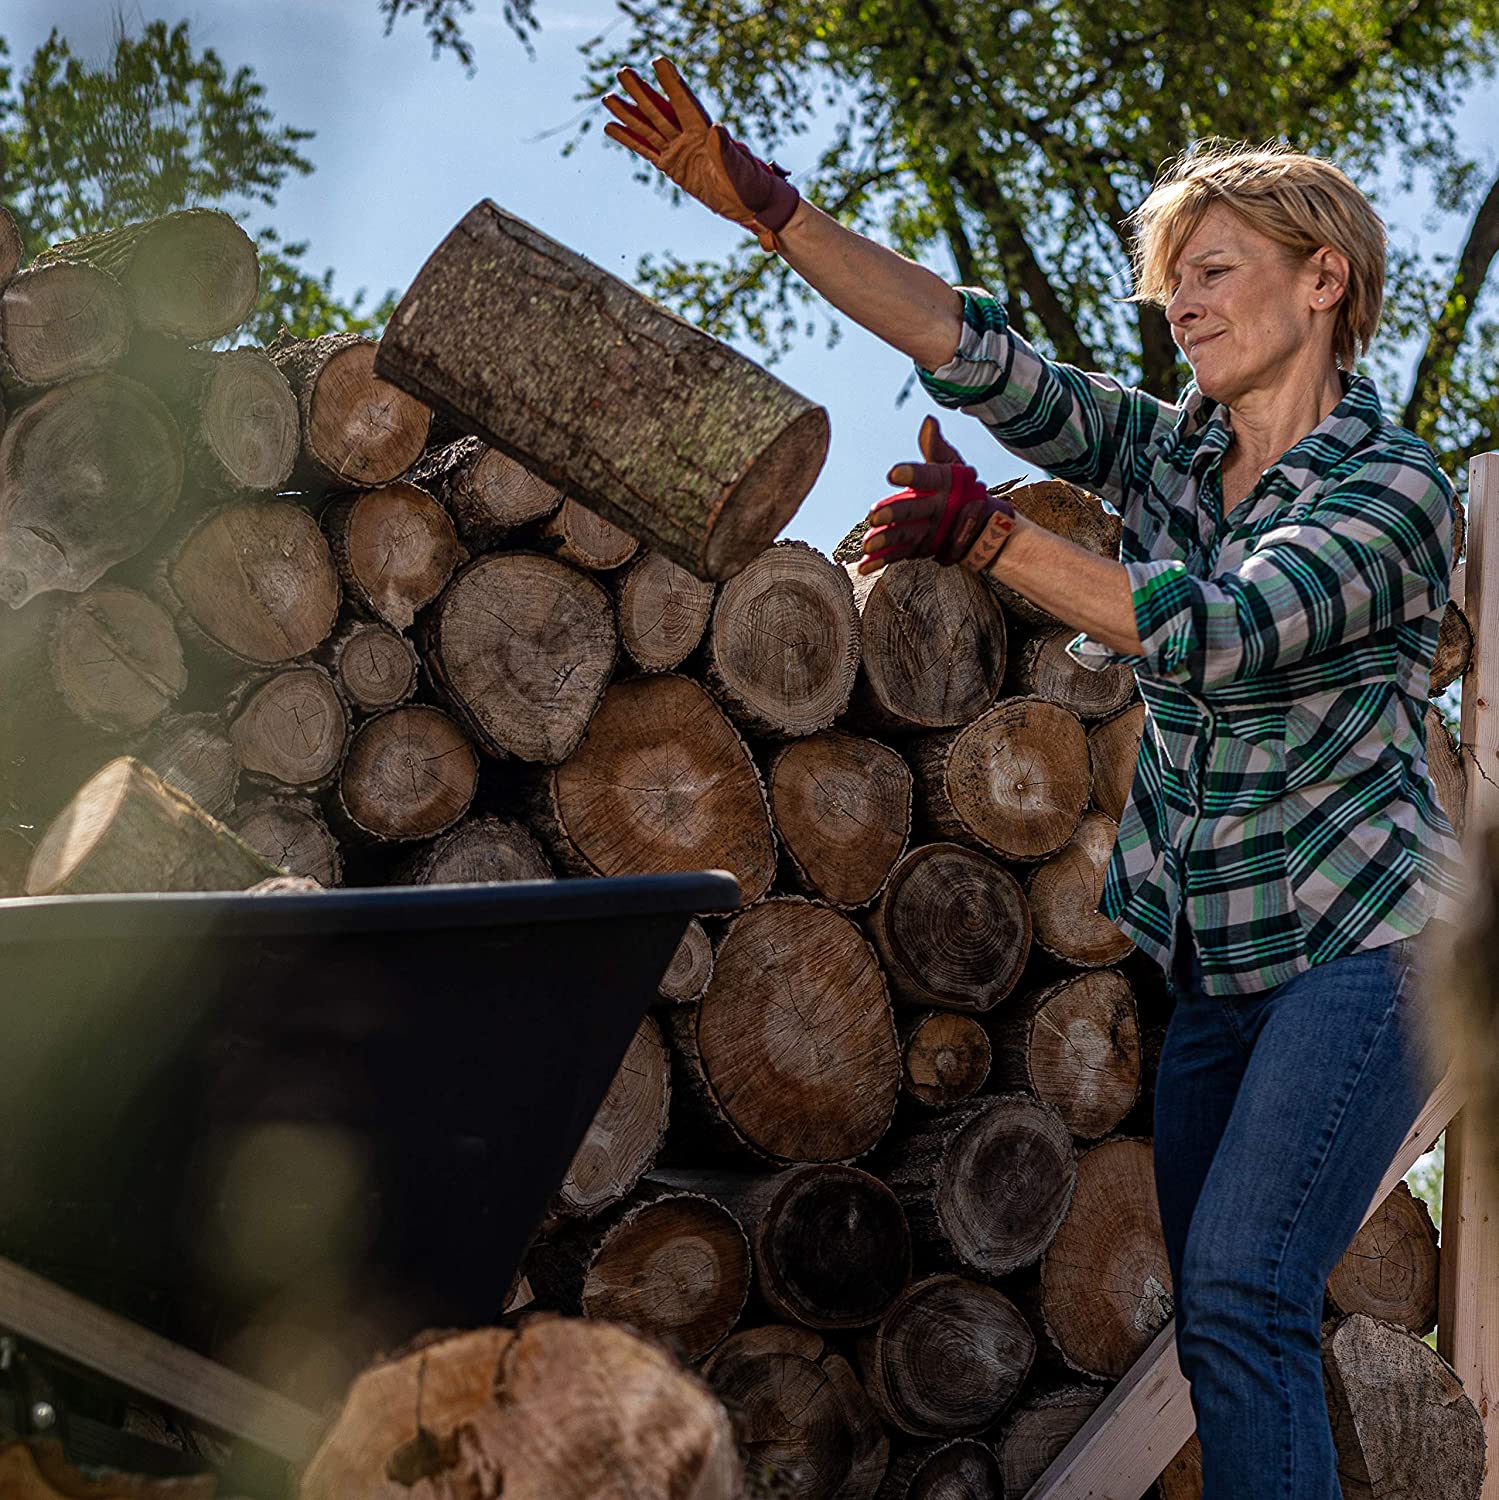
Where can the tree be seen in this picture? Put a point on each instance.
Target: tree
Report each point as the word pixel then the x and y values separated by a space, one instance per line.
pixel 160 126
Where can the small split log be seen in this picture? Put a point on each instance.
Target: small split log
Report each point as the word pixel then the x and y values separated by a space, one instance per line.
pixel 1039 1429
pixel 478 851
pixel 410 773
pixel 586 540
pixel 1113 754
pixel 292 833
pixel 487 493
pixel 290 728
pixel 690 969
pixel 374 666
pixel 1389 1271
pixel 1043 668
pixel 1454 649
pixel 1449 773
pixel 945 1058
pixel 1070 512
pixel 962 1467
pixel 193 753
pixel 59 320
pixel 663 612
pixel 1064 893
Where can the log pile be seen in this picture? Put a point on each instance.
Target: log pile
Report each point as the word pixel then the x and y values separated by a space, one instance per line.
pixel 879 1162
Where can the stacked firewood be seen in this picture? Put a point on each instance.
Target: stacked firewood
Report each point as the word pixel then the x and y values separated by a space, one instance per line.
pixel 879 1163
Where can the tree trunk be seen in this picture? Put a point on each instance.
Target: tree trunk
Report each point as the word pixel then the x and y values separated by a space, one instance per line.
pixel 495 330
pixel 191 275
pixel 486 492
pixel 1015 781
pixel 933 648
pixel 690 969
pixel 410 773
pixel 986 1185
pixel 1113 754
pixel 945 1058
pixel 88 472
pixel 374 666
pixel 662 783
pixel 1064 893
pixel 831 1246
pixel 1039 1429
pixel 1070 512
pixel 1076 1045
pixel 1449 775
pixel 290 728
pixel 782 646
pixel 791 1055
pixel 194 754
pixel 395 548
pixel 663 612
pixel 292 833
pixel 940 891
pixel 586 540
pixel 523 646
pixel 842 806
pixel 478 851
pixel 1389 1271
pixel 59 321
pixel 947 1358
pixel 802 1419
pixel 358 431
pixel 1042 668
pixel 1454 649
pixel 127 830
pixel 540 1407
pixel 963 1467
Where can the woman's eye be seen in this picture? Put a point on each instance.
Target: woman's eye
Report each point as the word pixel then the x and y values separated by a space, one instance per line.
pixel 1216 270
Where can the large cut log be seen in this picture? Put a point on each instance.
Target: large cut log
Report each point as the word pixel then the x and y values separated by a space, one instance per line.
pixel 192 753
pixel 804 1423
pixel 932 645
pixel 986 1185
pixel 478 851
pixel 357 429
pixel 1105 1286
pixel 791 1055
pixel 289 728
pixel 374 666
pixel 960 1469
pixel 88 472
pixel 782 647
pixel 945 1057
pixel 690 969
pixel 626 1132
pixel 395 548
pixel 1070 512
pixel 663 612
pixel 292 833
pixel 253 581
pixel 1039 1429
pixel 585 539
pixel 1404 1427
pixel 1043 668
pixel 1064 893
pixel 953 928
pixel 39 1469
pixel 1454 649
pixel 1015 781
pixel 842 806
pixel 831 1246
pixel 191 275
pixel 523 646
pixel 662 783
pixel 681 442
pixel 1449 774
pixel 1389 1271
pixel 486 492
pixel 12 251
pixel 563 1408
pixel 1113 754
pixel 948 1357
pixel 676 1266
pixel 1076 1045
pixel 409 774
pixel 127 830
pixel 59 321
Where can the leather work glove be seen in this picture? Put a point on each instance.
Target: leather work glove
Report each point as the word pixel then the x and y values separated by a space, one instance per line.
pixel 946 513
pixel 675 134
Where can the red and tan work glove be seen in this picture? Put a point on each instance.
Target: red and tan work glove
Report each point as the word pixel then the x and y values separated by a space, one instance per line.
pixel 674 132
pixel 946 512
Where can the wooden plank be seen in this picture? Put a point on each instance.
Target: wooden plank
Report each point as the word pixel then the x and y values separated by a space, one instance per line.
pixel 45 1314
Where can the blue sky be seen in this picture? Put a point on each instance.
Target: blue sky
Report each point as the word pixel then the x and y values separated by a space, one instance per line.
pixel 404 145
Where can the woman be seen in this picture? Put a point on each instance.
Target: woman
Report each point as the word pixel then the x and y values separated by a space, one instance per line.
pixel 1284 565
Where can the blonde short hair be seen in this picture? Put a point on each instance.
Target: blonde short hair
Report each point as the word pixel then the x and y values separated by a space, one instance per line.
pixel 1298 201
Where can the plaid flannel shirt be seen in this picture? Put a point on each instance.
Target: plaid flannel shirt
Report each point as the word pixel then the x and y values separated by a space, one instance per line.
pixel 1281 799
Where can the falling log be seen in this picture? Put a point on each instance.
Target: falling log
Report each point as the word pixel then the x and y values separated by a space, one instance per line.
pixel 478 851
pixel 985 1186
pixel 677 1267
pixel 410 773
pixel 12 250
pixel 485 491
pixel 782 646
pixel 127 830
pixel 522 646
pixel 831 1246
pixel 1070 512
pixel 1181 1479
pixel 1454 649
pixel 932 648
pixel 292 833
pixel 1076 1045
pixel 1389 1271
pixel 1105 1285
pixel 505 364
pixel 289 728
pixel 395 548
pixel 39 1469
pixel 945 1058
pixel 1064 893
pixel 193 753
pixel 562 1407
pixel 1113 754
pixel 804 1423
pixel 1043 668
pixel 60 320
pixel 1449 775
pixel 1039 1429
pixel 842 806
pixel 586 540
pixel 191 275
pixel 662 783
pixel 358 430
pixel 690 969
pixel 961 1467
pixel 952 928
pixel 947 1359
pixel 1403 1425
pixel 791 1055
pixel 374 666
pixel 1015 781
pixel 252 581
pixel 626 1133
pixel 88 473
pixel 663 612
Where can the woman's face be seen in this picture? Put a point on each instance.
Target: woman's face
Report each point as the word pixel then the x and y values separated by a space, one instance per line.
pixel 1245 311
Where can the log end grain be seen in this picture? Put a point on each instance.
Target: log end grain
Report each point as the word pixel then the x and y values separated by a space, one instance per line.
pixel 290 728
pixel 116 659
pixel 59 320
pixel 478 851
pixel 410 773
pixel 1389 1271
pixel 945 1058
pixel 292 833
pixel 663 612
pixel 1064 893
pixel 1113 754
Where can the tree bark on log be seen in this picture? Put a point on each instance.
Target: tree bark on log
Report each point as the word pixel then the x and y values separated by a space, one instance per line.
pixel 1039 1429
pixel 962 1467
pixel 586 540
pixel 193 753
pixel 61 320
pixel 842 807
pixel 1042 668
pixel 1449 774
pixel 1389 1271
pixel 478 851
pixel 289 728
pixel 374 666
pixel 12 250
pixel 690 969
pixel 1454 649
pixel 291 832
pixel 493 333
pixel 1064 893
pixel 1113 755
pixel 488 494
pixel 1070 512
pixel 663 612
pixel 410 773
pixel 945 1058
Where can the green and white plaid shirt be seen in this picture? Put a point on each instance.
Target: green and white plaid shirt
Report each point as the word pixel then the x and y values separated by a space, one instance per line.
pixel 1281 798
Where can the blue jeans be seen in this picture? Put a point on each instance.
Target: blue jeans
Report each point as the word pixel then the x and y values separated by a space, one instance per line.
pixel 1276 1115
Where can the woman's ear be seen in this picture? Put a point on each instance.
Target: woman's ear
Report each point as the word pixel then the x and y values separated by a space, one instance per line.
pixel 1332 269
